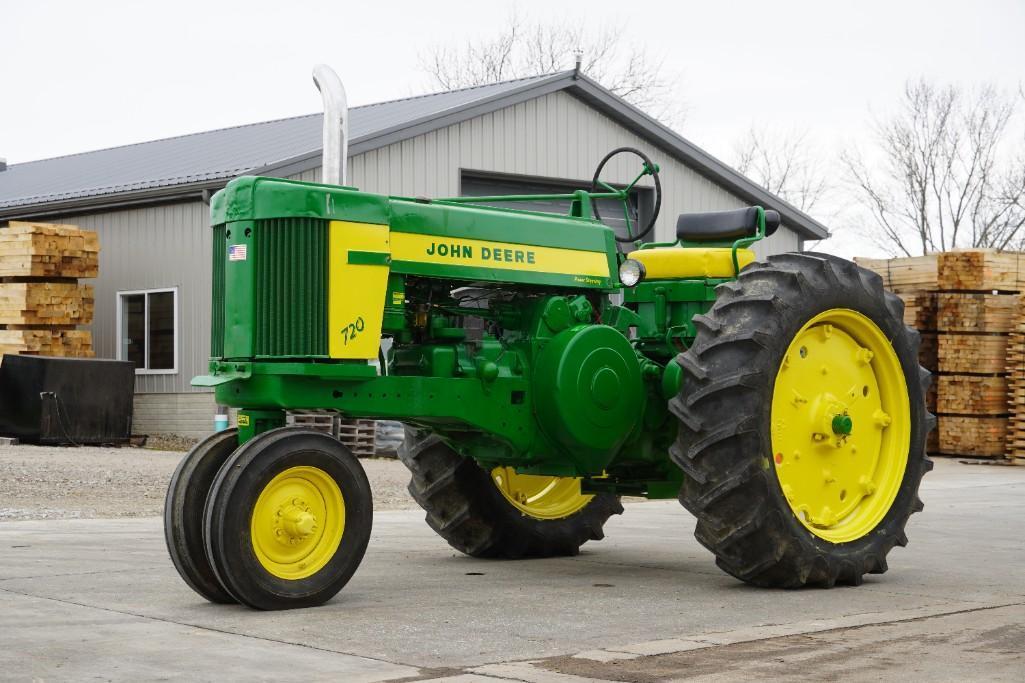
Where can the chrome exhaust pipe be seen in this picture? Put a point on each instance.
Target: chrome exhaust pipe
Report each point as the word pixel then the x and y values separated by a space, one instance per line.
pixel 336 125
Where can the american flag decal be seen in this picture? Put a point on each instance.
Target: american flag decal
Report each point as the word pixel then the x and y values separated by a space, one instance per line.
pixel 237 252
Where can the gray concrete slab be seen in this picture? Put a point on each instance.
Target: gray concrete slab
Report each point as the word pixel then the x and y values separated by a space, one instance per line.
pixel 648 590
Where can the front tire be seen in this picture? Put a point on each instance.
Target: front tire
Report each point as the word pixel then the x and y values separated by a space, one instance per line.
pixel 499 514
pixel 288 519
pixel 183 513
pixel 802 423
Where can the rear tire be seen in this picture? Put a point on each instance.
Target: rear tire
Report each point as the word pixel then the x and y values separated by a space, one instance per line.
pixel 726 444
pixel 288 519
pixel 465 507
pixel 183 513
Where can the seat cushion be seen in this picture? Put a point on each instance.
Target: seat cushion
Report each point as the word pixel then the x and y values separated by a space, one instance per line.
pixel 720 226
pixel 690 263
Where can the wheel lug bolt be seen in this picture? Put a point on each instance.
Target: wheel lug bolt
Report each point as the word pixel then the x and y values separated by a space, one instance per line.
pixel 864 356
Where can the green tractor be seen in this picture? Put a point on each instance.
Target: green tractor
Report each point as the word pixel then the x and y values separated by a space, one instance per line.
pixel 781 401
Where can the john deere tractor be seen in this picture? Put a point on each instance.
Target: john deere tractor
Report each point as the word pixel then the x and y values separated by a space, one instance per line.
pixel 544 372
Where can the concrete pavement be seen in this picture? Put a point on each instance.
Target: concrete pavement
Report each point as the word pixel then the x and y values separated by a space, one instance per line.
pixel 99 598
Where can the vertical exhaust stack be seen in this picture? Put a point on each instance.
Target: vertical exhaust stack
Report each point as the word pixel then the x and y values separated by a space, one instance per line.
pixel 336 125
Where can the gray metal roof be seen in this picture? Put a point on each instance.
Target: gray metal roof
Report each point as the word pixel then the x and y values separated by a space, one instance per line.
pixel 163 168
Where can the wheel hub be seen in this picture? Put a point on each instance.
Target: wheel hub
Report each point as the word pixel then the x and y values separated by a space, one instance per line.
pixel 838 459
pixel 298 522
pixel 295 522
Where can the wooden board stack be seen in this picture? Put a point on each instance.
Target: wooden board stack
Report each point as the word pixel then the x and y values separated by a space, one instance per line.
pixel 977 309
pixel 914 280
pixel 904 275
pixel 41 300
pixel 977 344
pixel 44 250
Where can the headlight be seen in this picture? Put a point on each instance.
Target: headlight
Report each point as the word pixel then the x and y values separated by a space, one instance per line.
pixel 631 272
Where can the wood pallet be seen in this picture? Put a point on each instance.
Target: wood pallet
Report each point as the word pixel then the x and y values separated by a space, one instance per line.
pixel 1015 366
pixel 359 435
pixel 48 250
pixel 46 303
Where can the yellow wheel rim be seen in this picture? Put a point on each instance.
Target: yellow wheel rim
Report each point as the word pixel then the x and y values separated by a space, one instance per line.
pixel 841 425
pixel 538 496
pixel 298 522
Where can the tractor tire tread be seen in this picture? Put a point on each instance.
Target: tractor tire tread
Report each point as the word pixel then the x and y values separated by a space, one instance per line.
pixel 463 506
pixel 723 443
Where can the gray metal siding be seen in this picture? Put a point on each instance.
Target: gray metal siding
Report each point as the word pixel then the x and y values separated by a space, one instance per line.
pixel 150 248
pixel 555 136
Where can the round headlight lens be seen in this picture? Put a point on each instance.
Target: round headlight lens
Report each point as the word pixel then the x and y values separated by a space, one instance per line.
pixel 631 272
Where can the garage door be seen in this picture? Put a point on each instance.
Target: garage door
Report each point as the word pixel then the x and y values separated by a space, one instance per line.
pixel 611 211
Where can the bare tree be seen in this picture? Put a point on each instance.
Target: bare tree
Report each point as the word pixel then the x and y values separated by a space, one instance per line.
pixel 530 48
pixel 942 175
pixel 784 163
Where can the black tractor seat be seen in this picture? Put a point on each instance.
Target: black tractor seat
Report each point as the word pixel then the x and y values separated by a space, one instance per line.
pixel 720 226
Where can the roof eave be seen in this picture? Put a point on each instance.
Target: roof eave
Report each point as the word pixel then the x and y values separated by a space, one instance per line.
pixel 114 200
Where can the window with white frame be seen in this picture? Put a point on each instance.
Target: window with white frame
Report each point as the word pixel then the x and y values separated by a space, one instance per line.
pixel 147 323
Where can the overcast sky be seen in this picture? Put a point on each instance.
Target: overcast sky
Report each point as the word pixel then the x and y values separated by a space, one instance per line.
pixel 77 76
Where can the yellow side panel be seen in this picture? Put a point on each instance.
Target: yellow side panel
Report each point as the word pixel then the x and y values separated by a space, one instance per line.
pixel 355 292
pixel 690 263
pixel 449 251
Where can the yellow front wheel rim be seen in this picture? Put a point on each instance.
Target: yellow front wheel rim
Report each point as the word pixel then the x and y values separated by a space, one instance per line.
pixel 539 496
pixel 298 522
pixel 841 425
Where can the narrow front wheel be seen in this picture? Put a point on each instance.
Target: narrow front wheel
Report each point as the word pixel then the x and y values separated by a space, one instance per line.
pixel 183 513
pixel 288 519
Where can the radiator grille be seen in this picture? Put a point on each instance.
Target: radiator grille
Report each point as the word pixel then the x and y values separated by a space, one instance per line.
pixel 217 304
pixel 290 288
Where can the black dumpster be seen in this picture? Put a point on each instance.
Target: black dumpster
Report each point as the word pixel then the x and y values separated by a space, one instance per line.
pixel 66 400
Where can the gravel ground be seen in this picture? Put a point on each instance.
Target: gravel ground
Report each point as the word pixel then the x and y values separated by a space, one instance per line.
pixel 45 482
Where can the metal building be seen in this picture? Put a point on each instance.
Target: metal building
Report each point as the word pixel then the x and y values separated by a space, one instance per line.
pixel 148 201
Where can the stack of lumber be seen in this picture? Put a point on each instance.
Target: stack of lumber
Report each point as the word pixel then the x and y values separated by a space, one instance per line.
pixel 45 303
pixel 48 251
pixel 977 309
pixel 41 300
pixel 968 304
pixel 914 280
pixel 74 343
pixel 904 275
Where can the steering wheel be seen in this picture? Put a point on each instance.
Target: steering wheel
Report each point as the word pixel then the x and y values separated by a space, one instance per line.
pixel 597 185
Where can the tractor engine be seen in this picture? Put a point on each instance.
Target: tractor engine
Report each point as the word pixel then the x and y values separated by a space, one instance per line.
pixel 582 380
